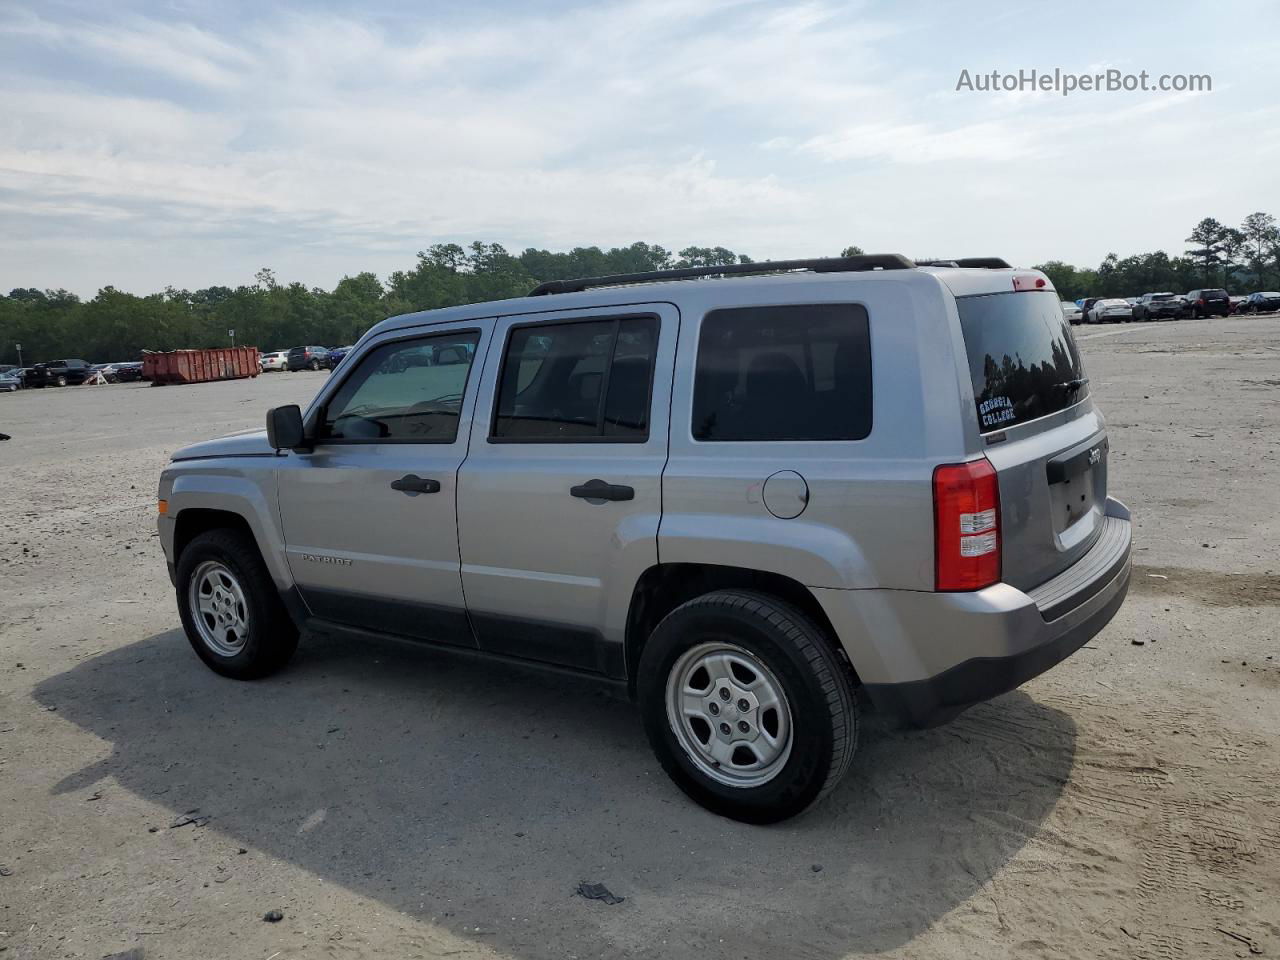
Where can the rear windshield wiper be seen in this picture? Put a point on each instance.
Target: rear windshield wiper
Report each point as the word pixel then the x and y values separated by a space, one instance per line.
pixel 1073 385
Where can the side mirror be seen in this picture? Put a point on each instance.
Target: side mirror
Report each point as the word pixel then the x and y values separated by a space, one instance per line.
pixel 284 427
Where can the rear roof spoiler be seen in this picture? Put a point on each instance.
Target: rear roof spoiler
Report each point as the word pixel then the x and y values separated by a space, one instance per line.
pixel 979 263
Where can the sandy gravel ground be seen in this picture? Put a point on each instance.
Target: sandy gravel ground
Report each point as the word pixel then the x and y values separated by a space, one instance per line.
pixel 392 801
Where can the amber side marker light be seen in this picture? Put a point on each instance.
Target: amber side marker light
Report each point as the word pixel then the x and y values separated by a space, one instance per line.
pixel 162 507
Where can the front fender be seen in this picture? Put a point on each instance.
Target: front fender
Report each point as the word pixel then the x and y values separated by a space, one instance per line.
pixel 250 495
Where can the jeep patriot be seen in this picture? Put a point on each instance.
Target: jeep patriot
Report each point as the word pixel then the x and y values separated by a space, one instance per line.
pixel 754 495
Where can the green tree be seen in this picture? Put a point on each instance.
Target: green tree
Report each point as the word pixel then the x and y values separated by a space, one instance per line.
pixel 1208 238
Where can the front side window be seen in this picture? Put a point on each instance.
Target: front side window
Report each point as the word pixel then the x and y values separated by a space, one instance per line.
pixel 580 381
pixel 798 372
pixel 407 391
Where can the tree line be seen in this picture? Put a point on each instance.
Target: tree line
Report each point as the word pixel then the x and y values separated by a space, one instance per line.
pixel 269 314
pixel 1241 259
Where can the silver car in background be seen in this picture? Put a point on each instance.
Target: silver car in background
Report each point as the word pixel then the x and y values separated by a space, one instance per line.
pixel 752 496
pixel 1111 311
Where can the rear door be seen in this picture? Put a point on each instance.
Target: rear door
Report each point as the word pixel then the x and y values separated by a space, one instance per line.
pixel 369 515
pixel 560 496
pixel 1040 430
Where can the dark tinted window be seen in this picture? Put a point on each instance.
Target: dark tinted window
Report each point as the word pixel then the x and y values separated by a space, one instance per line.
pixel 800 372
pixel 1214 294
pixel 1022 358
pixel 586 380
pixel 410 390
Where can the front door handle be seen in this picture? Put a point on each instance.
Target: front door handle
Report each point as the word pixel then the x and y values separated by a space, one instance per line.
pixel 599 490
pixel 412 484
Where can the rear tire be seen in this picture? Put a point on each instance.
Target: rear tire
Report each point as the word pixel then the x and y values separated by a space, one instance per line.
pixel 775 654
pixel 230 609
pixel 315 365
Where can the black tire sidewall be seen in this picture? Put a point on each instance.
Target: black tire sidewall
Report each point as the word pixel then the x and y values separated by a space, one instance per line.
pixel 270 642
pixel 803 777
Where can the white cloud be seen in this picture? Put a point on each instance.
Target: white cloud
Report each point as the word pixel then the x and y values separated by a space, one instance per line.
pixel 313 139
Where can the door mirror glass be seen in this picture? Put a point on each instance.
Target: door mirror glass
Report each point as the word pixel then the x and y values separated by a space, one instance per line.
pixel 284 427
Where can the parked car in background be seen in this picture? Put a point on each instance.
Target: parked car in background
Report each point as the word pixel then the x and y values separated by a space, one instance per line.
pixel 1073 313
pixel 57 373
pixel 1266 302
pixel 307 358
pixel 10 381
pixel 275 360
pixel 1113 310
pixel 7 368
pixel 1085 306
pixel 334 356
pixel 1166 305
pixel 1210 302
pixel 129 371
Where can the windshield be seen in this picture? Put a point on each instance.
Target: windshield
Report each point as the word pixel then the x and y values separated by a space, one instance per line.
pixel 1023 361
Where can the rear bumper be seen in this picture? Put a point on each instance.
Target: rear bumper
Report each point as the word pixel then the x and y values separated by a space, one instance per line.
pixel 937 654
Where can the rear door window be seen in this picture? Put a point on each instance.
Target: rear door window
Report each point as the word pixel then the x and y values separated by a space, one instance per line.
pixel 577 382
pixel 1023 361
pixel 796 372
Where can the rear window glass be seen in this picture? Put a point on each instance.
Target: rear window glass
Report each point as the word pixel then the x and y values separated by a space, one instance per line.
pixel 1023 361
pixel 799 372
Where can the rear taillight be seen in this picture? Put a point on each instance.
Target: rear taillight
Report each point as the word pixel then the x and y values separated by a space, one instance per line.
pixel 966 518
pixel 1024 282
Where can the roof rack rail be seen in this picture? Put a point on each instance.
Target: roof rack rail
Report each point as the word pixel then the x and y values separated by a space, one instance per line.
pixel 981 263
pixel 870 261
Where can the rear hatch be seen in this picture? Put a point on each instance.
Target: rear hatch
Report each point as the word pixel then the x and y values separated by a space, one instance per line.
pixel 1042 433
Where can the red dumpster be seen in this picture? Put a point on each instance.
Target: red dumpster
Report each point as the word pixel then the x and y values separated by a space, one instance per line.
pixel 200 366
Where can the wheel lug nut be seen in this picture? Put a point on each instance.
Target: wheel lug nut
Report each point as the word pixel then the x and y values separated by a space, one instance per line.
pixel 724 728
pixel 743 705
pixel 714 708
pixel 724 694
pixel 744 726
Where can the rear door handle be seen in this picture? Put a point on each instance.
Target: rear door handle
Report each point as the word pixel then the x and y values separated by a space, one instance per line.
pixel 412 484
pixel 599 490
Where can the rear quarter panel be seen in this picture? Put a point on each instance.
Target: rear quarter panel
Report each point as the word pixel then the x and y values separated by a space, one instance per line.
pixel 869 519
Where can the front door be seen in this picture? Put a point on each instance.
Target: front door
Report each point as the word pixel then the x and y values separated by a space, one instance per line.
pixel 560 496
pixel 369 515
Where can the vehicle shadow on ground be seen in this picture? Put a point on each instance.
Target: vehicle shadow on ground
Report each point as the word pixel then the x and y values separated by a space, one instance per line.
pixel 473 793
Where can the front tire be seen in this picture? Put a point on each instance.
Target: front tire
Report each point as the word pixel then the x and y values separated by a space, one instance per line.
pixel 747 705
pixel 230 609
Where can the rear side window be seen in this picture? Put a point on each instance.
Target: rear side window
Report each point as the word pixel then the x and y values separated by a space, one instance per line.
pixel 797 372
pixel 1023 361
pixel 577 382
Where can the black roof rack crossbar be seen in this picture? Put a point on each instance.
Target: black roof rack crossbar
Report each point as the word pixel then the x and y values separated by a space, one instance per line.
pixel 981 263
pixel 870 261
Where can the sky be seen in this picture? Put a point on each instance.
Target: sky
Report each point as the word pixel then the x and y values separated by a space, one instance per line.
pixel 177 143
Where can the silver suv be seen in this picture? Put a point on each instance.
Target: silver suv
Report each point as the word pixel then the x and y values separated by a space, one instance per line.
pixel 753 495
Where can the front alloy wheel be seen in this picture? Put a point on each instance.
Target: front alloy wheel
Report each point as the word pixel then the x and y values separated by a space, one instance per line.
pixel 219 608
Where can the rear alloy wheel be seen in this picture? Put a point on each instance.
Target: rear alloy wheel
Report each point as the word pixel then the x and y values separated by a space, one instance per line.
pixel 60 381
pixel 747 705
pixel 315 364
pixel 230 610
